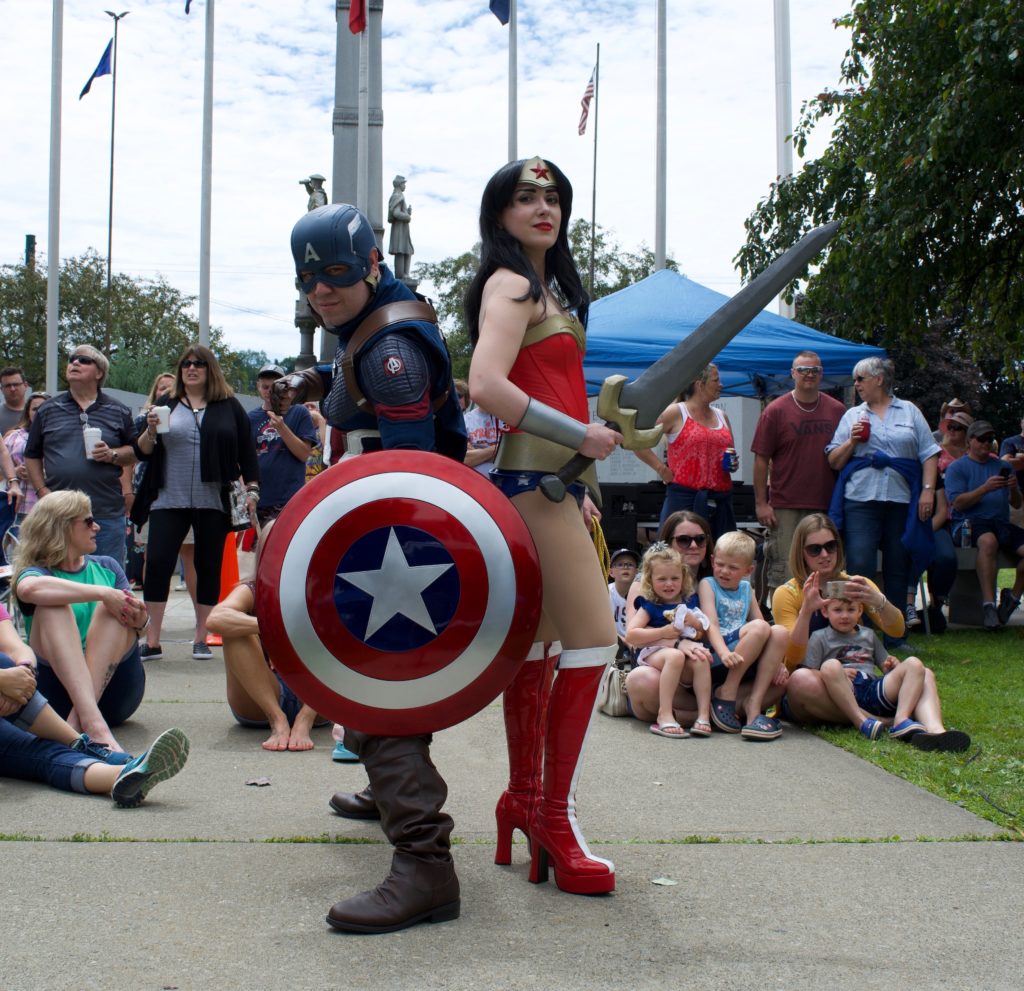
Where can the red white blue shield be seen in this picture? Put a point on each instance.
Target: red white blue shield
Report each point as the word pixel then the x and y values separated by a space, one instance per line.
pixel 398 593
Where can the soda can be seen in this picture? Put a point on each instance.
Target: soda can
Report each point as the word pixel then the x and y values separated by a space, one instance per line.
pixel 730 459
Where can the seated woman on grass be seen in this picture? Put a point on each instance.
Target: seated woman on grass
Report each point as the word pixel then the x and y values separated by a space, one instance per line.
pixel 81 618
pixel 37 745
pixel 816 558
pixel 257 696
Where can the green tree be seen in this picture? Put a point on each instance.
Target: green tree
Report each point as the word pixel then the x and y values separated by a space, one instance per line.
pixel 614 269
pixel 925 172
pixel 151 323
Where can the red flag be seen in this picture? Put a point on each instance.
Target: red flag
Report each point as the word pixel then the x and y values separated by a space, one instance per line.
pixel 588 95
pixel 357 16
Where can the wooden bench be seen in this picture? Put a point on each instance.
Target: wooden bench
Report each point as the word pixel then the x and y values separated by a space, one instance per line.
pixel 965 596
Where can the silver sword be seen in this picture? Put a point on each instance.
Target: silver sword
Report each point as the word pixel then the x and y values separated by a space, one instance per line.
pixel 632 408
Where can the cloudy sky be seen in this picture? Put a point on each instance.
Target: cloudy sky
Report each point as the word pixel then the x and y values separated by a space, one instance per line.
pixel 445 98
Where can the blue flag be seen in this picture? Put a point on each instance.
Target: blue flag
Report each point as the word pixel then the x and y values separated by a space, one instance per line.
pixel 103 69
pixel 500 10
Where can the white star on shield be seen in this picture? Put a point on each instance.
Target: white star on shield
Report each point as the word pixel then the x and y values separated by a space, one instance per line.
pixel 396 587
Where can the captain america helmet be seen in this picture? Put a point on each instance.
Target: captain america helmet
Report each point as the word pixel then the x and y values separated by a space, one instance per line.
pixel 337 237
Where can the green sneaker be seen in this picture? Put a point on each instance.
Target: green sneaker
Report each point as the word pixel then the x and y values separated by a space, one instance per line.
pixel 165 758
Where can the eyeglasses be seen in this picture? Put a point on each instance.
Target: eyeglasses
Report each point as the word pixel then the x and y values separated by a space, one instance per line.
pixel 687 541
pixel 81 359
pixel 808 369
pixel 89 521
pixel 624 564
pixel 14 385
pixel 860 378
pixel 987 439
pixel 194 363
pixel 955 428
pixel 814 550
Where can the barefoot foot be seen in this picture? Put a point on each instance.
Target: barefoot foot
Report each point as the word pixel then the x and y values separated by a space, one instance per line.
pixel 278 740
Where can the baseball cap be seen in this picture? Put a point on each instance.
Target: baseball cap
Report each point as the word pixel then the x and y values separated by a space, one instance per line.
pixel 276 370
pixel 626 552
pixel 979 428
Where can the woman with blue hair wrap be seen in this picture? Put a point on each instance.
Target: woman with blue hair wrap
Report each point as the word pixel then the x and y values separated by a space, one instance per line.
pixel 884 497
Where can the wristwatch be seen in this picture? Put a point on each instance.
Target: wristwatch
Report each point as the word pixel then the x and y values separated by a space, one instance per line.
pixel 926 486
pixel 113 457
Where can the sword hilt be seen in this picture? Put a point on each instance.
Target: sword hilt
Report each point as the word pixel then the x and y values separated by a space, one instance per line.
pixel 554 486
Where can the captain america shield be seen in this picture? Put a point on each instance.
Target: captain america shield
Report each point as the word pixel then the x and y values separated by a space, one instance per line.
pixel 398 593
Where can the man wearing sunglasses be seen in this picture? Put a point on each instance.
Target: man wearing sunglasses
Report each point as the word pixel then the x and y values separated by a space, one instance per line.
pixel 981 488
pixel 792 477
pixel 55 453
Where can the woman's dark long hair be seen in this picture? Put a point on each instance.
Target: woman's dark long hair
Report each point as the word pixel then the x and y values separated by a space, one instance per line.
pixel 499 249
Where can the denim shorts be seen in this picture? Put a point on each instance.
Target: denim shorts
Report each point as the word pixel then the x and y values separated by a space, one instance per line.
pixel 719 672
pixel 290 705
pixel 867 690
pixel 513 483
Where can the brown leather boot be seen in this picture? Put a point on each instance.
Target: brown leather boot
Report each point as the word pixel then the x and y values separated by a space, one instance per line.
pixel 421 885
pixel 357 805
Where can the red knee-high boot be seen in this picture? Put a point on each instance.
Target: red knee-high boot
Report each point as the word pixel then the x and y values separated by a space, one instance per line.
pixel 525 703
pixel 554 833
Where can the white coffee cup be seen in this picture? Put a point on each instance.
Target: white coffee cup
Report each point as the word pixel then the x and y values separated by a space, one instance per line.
pixel 93 436
pixel 163 414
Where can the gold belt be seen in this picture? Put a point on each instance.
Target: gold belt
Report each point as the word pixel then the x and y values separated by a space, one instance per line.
pixel 526 452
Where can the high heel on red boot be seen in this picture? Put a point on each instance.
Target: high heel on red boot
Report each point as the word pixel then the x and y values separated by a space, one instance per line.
pixel 525 703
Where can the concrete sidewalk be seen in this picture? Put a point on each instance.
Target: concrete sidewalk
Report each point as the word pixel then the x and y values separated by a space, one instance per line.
pixel 811 869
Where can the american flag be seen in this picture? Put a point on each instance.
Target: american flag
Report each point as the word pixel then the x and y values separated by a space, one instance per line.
pixel 588 95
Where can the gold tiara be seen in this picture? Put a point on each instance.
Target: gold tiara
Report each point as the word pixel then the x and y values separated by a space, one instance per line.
pixel 537 172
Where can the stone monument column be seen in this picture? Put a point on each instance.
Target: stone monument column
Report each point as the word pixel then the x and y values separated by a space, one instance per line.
pixel 346 126
pixel 316 197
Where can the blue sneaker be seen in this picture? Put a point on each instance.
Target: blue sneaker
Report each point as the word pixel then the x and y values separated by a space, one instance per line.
pixel 343 755
pixel 165 758
pixel 100 751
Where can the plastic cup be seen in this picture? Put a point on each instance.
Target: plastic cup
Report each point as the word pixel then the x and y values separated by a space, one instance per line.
pixel 865 430
pixel 93 436
pixel 163 414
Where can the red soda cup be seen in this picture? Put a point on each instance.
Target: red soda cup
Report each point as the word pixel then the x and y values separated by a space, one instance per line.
pixel 865 430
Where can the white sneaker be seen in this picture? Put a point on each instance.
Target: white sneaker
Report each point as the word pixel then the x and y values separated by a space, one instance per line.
pixel 181 587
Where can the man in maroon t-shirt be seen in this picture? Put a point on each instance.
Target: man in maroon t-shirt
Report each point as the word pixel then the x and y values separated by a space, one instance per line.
pixel 789 445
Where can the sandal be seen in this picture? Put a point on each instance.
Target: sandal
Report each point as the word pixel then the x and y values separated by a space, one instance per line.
pixel 663 729
pixel 905 729
pixel 952 741
pixel 700 727
pixel 723 715
pixel 870 728
pixel 762 728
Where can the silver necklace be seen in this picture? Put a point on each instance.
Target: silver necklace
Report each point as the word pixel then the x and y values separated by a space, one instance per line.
pixel 801 408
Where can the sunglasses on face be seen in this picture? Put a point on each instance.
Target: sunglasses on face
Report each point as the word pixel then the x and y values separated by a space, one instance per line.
pixel 860 378
pixel 194 363
pixel 814 550
pixel 89 521
pixel 81 359
pixel 685 540
pixel 955 428
pixel 987 439
pixel 808 369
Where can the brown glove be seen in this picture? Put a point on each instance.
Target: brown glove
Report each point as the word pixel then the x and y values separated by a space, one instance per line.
pixel 299 387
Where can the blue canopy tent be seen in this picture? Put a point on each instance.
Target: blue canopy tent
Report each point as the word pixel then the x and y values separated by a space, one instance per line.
pixel 629 330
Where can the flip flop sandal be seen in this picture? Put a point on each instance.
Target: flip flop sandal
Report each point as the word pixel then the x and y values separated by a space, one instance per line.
pixel 723 715
pixel 701 727
pixel 905 729
pixel 661 729
pixel 953 741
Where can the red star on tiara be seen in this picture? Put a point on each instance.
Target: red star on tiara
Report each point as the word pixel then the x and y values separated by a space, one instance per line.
pixel 540 172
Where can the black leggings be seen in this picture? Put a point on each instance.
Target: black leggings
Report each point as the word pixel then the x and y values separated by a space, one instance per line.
pixel 167 529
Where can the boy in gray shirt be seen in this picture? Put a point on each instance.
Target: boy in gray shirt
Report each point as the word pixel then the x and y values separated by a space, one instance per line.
pixel 848 655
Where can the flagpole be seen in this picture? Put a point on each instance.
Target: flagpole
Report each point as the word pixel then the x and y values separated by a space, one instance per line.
pixel 593 188
pixel 363 129
pixel 53 234
pixel 110 195
pixel 206 183
pixel 783 111
pixel 660 154
pixel 513 83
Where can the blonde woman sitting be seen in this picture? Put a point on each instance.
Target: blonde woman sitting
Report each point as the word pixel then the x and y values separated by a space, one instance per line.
pixel 81 618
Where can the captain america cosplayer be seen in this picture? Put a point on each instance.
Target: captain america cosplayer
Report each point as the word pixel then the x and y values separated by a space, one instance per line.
pixel 390 387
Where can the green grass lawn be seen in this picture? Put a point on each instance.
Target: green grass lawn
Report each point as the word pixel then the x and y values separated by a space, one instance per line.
pixel 981 685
